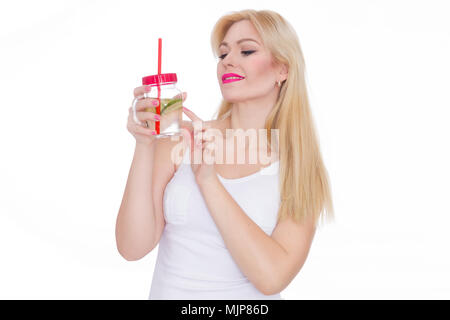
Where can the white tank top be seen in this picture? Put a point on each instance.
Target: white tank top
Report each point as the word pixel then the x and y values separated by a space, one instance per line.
pixel 193 261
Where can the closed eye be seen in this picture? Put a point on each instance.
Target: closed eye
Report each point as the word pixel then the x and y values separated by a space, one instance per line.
pixel 246 53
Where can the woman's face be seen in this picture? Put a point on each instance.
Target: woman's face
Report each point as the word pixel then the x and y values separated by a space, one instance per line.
pixel 248 59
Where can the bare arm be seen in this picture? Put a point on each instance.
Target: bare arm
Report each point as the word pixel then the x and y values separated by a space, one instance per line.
pixel 135 225
pixel 269 262
pixel 140 221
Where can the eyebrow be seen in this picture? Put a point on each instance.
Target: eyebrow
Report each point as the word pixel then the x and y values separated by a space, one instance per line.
pixel 239 41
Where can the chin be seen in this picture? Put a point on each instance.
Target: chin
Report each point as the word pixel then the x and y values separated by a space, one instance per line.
pixel 232 97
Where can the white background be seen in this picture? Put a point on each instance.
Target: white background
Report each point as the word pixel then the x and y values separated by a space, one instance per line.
pixel 378 73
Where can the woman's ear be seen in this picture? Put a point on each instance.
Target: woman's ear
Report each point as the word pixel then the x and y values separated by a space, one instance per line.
pixel 284 72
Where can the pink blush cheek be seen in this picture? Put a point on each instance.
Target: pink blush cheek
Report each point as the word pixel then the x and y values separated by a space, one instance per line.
pixel 261 65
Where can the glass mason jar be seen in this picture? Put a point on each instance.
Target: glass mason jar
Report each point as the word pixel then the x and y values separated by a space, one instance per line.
pixel 163 88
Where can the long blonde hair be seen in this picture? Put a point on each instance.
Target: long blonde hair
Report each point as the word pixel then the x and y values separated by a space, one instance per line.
pixel 304 187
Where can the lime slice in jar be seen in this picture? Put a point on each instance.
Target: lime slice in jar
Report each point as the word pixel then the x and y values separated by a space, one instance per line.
pixel 172 105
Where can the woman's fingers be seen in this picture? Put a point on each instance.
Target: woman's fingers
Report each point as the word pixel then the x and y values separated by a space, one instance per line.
pixel 144 131
pixel 199 143
pixel 198 134
pixel 191 115
pixel 203 135
pixel 135 128
pixel 146 115
pixel 204 142
pixel 139 91
pixel 183 96
pixel 145 103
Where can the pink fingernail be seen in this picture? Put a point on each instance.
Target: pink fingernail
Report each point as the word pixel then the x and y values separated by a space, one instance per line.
pixel 157 117
pixel 155 102
pixel 153 132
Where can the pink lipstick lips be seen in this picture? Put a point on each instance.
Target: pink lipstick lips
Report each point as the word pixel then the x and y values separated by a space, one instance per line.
pixel 231 77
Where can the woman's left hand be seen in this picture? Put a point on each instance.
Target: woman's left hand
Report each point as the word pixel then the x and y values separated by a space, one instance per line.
pixel 202 149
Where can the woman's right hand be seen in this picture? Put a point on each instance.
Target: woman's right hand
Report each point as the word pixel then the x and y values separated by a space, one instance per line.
pixel 142 134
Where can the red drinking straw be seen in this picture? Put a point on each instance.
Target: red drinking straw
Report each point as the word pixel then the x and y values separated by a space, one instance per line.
pixel 159 55
pixel 158 108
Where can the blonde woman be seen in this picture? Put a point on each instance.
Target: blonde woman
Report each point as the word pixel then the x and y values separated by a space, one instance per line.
pixel 229 229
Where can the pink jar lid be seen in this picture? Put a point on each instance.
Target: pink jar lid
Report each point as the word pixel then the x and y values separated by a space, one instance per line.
pixel 163 78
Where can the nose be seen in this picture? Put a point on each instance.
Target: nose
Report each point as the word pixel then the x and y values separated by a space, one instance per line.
pixel 228 60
